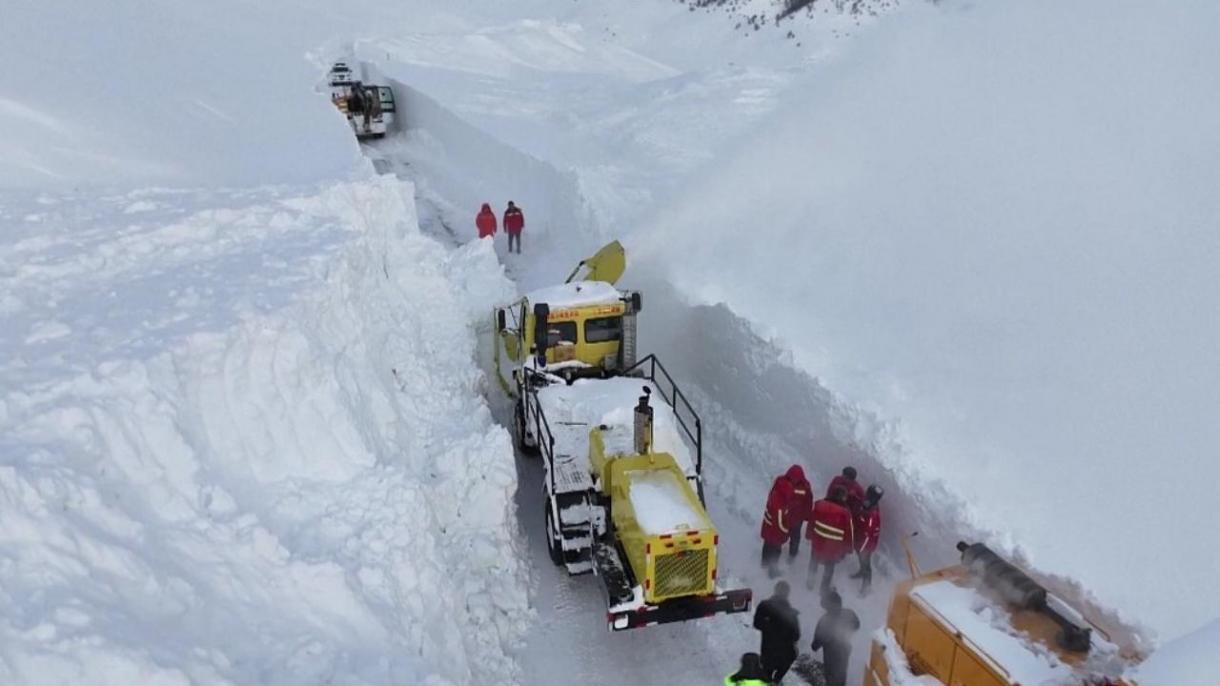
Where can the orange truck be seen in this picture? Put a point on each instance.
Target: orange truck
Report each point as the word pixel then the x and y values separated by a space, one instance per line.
pixel 985 622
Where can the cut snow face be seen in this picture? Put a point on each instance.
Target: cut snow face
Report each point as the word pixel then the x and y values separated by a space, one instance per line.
pixel 244 441
pixel 1002 260
pixel 1188 660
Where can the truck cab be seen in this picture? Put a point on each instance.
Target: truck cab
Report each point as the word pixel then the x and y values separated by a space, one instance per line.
pixel 369 109
pixel 582 326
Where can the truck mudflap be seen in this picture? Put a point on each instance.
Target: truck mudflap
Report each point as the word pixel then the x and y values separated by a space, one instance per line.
pixel 681 609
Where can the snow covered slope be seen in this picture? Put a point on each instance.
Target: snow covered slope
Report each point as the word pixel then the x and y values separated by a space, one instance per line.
pixel 1188 660
pixel 992 227
pixel 243 441
pixel 242 431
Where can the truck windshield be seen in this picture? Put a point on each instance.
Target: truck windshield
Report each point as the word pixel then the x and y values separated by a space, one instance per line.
pixel 602 329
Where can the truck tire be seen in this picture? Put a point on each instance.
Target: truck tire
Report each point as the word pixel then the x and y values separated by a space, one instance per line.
pixel 518 427
pixel 519 431
pixel 554 545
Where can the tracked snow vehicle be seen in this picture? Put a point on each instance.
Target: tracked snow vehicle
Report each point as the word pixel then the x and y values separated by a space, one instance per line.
pixel 985 622
pixel 370 110
pixel 623 470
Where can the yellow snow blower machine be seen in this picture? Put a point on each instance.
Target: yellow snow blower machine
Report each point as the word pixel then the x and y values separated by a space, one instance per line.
pixel 985 622
pixel 623 472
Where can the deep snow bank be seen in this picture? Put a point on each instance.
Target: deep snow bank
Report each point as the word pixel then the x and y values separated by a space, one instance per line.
pixel 992 225
pixel 1188 660
pixel 458 164
pixel 242 440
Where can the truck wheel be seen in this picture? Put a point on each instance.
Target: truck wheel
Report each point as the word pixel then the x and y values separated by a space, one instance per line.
pixel 518 427
pixel 554 545
pixel 519 431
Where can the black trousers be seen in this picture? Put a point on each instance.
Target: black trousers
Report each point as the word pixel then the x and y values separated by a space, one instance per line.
pixel 775 664
pixel 514 238
pixel 827 576
pixel 770 557
pixel 834 663
pixel 866 570
pixel 794 540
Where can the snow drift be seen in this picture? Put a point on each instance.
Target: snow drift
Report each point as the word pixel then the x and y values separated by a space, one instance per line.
pixel 1188 660
pixel 249 445
pixel 991 225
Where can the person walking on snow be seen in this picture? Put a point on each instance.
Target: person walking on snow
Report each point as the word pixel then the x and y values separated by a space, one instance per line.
pixel 776 525
pixel 854 491
pixel 781 631
pixel 867 532
pixel 750 674
pixel 514 221
pixel 486 222
pixel 802 504
pixel 831 534
pixel 833 637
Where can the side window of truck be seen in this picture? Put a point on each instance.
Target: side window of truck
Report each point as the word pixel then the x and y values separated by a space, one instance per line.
pixel 603 329
pixel 561 331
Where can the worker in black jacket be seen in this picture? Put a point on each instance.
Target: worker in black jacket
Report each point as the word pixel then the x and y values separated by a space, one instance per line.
pixel 781 630
pixel 833 637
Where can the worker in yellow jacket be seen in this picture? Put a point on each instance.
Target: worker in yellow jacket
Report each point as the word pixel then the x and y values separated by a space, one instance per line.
pixel 750 674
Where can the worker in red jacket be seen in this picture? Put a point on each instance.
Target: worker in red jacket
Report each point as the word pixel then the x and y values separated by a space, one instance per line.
pixel 486 222
pixel 777 523
pixel 514 221
pixel 847 481
pixel 867 533
pixel 831 534
pixel 802 506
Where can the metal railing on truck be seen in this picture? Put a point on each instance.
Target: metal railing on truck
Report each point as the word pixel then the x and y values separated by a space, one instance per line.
pixel 542 428
pixel 676 399
pixel 647 368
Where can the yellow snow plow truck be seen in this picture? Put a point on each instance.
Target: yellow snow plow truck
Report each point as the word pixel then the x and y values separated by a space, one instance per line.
pixel 622 472
pixel 985 622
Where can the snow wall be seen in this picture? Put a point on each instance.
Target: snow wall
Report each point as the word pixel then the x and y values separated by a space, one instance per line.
pixel 456 164
pixel 1188 660
pixel 991 226
pixel 249 445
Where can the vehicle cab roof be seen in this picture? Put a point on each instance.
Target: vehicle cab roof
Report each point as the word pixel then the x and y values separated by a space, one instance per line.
pixel 576 294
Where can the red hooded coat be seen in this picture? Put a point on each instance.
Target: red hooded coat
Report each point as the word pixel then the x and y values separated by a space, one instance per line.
pixel 855 492
pixel 831 531
pixel 514 220
pixel 868 529
pixel 486 222
pixel 777 517
pixel 802 494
